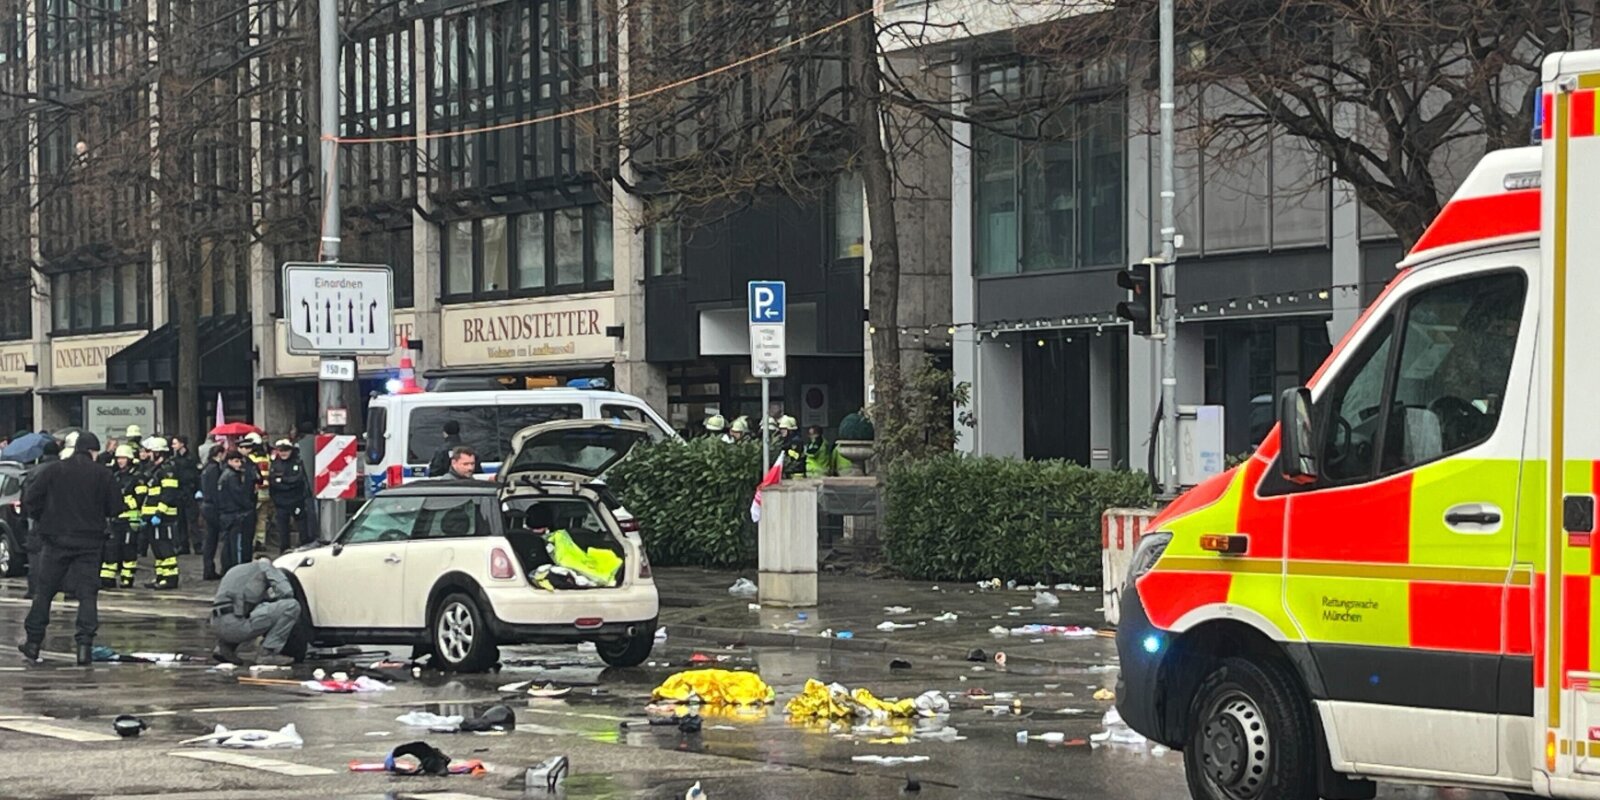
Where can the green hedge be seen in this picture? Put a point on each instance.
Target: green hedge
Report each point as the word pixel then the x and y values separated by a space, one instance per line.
pixel 692 500
pixel 960 518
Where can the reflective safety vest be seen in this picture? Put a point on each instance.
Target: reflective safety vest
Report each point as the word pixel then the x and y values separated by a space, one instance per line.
pixel 133 491
pixel 160 492
pixel 263 467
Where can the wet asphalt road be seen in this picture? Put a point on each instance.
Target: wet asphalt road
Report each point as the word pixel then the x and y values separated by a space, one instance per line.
pixel 736 755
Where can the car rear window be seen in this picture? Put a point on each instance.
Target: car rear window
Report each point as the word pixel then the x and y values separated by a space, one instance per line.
pixel 515 418
pixel 377 423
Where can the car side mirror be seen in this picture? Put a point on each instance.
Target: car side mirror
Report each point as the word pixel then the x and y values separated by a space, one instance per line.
pixel 1297 436
pixel 338 548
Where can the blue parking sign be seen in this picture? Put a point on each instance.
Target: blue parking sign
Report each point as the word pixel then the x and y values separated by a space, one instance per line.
pixel 766 303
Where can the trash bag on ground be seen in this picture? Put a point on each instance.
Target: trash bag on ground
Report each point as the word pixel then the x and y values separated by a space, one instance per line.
pixel 424 719
pixel 715 687
pixel 1116 731
pixel 419 758
pixel 835 701
pixel 743 587
pixel 496 718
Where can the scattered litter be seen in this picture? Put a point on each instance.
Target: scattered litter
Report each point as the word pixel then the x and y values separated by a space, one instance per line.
pixel 256 669
pixel 1035 641
pixel 1022 737
pixel 715 687
pixel 319 673
pixel 977 654
pixel 549 690
pixel 999 630
pixel 893 626
pixel 225 666
pixel 1064 631
pixel 899 663
pixel 989 585
pixel 931 703
pixel 1068 587
pixel 661 634
pixel 252 738
pixel 1158 750
pixel 1022 608
pixel 1105 694
pixel 700 658
pixel 1072 712
pixel 754 606
pixel 1117 731
pixel 514 688
pixel 844 635
pixel 380 733
pixel 1000 658
pixel 911 787
pixel 424 719
pixel 128 726
pixel 547 775
pixel 945 617
pixel 936 588
pixel 690 724
pixel 496 718
pixel 896 610
pixel 695 792
pixel 153 658
pixel 801 616
pixel 1052 737
pixel 941 734
pixel 835 701
pixel 978 669
pixel 1046 600
pixel 419 758
pixel 825 633
pixel 341 676
pixel 978 693
pixel 888 761
pixel 586 647
pixel 338 685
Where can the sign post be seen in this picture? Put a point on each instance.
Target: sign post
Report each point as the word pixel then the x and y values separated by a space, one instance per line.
pixel 336 312
pixel 768 348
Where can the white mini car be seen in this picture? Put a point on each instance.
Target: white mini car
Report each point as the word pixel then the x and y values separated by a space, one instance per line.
pixel 459 567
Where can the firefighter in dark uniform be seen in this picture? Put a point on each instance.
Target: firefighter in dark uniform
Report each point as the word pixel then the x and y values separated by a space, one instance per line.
pixel 159 513
pixel 121 556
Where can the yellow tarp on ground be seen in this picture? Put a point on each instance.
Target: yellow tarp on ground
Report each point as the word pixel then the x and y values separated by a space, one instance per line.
pixel 715 687
pixel 820 701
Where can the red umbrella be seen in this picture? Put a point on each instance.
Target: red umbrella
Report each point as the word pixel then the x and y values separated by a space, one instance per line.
pixel 234 429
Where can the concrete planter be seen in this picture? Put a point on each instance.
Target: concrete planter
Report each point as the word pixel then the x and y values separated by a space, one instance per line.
pixel 858 451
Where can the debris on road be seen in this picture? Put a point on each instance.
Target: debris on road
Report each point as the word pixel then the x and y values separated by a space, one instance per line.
pixel 744 587
pixel 887 626
pixel 999 658
pixel 1064 631
pixel 888 761
pixel 976 654
pixel 945 617
pixel 337 685
pixel 1105 694
pixel 546 775
pixel 128 726
pixel 1000 630
pixel 1046 600
pixel 496 718
pixel 931 703
pixel 424 719
pixel 695 792
pixel 419 758
pixel 899 663
pixel 549 690
pixel 896 610
pixel 252 738
pixel 836 701
pixel 715 687
pixel 1116 731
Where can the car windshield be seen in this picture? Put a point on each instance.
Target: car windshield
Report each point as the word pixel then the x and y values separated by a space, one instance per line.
pixel 587 451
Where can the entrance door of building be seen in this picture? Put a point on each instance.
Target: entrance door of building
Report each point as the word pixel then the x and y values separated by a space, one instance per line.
pixel 1055 397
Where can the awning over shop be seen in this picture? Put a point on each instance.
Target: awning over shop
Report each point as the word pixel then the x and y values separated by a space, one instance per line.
pixel 151 362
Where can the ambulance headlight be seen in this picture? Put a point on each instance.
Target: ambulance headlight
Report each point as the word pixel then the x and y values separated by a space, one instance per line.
pixel 1147 554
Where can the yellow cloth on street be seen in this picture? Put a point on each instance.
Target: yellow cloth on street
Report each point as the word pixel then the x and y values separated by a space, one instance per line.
pixel 596 563
pixel 715 687
pixel 838 702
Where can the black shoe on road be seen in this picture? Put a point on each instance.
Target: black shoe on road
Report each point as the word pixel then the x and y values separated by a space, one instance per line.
pixel 225 654
pixel 30 652
pixel 85 655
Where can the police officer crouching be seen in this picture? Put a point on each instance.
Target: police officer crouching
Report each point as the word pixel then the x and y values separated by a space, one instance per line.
pixel 255 599
pixel 71 501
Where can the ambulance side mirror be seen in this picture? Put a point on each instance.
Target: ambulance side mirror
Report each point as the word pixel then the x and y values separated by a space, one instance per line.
pixel 1297 438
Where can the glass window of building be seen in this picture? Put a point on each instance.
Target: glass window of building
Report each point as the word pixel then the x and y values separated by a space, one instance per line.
pixel 600 237
pixel 569 246
pixel 531 256
pixel 494 256
pixel 849 216
pixel 458 258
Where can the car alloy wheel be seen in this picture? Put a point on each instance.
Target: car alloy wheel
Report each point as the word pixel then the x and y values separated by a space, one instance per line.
pixel 456 630
pixel 5 554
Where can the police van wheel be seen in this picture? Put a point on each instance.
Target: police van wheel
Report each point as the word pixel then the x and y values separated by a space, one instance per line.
pixel 1250 736
pixel 460 636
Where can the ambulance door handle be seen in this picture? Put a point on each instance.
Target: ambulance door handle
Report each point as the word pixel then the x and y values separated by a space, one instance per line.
pixel 1482 517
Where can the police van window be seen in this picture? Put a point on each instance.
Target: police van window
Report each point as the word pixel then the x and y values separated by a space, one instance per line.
pixel 425 431
pixel 377 423
pixel 515 418
pixel 1455 360
pixel 450 518
pixel 1349 414
pixel 383 519
pixel 635 414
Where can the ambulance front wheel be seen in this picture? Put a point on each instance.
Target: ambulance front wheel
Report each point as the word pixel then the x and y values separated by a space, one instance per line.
pixel 1250 736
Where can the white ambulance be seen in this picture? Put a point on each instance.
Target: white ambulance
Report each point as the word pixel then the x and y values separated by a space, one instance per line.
pixel 1398 586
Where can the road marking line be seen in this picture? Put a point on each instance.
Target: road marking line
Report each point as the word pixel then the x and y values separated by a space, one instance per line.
pixel 255 762
pixel 55 731
pixel 220 709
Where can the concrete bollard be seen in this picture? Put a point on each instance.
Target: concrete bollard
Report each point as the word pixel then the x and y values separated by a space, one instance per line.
pixel 787 544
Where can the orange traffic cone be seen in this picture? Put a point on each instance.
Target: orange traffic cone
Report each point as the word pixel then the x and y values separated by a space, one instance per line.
pixel 408 378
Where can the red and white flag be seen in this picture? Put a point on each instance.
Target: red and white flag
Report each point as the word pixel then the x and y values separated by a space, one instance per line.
pixel 774 474
pixel 220 419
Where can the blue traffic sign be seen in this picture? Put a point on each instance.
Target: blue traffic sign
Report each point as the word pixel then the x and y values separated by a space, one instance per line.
pixel 766 303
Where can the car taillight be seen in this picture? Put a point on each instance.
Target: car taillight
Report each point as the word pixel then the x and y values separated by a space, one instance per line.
pixel 628 525
pixel 395 475
pixel 644 564
pixel 500 565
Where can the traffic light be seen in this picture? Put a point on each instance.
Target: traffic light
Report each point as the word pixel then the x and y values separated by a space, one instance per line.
pixel 1139 305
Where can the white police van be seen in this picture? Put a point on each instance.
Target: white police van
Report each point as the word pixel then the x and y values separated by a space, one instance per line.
pixel 405 430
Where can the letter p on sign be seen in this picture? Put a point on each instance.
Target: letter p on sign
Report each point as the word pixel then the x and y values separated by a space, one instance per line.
pixel 766 303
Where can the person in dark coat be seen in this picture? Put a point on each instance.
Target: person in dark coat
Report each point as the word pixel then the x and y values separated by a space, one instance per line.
pixel 287 484
pixel 187 465
pixel 72 501
pixel 208 511
pixel 439 465
pixel 31 543
pixel 236 505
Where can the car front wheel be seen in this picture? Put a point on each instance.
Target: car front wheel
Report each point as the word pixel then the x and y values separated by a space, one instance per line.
pixel 628 652
pixel 1250 736
pixel 460 635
